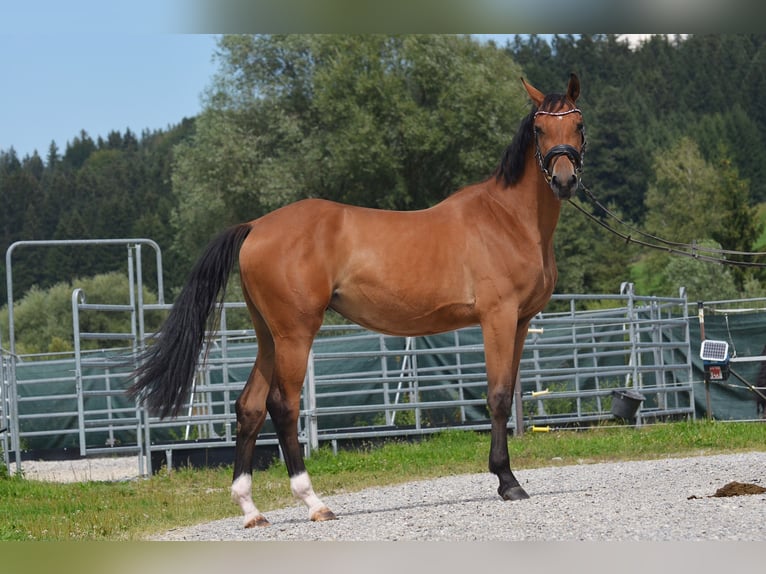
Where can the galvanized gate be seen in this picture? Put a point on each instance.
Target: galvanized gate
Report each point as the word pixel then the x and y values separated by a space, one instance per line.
pixel 44 398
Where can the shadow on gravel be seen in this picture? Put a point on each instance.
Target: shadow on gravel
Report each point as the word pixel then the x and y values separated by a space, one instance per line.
pixel 382 509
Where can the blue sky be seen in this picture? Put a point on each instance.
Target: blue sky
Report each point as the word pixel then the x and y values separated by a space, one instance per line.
pixel 55 84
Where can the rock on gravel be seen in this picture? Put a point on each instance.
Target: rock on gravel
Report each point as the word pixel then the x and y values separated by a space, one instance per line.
pixel 660 500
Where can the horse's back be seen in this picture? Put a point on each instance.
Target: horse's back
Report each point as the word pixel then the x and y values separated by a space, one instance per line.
pixel 393 271
pixel 339 232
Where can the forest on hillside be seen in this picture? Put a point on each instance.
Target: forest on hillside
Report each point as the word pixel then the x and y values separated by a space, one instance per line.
pixel 676 134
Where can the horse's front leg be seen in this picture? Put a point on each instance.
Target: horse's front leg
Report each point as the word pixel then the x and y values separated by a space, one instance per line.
pixel 503 343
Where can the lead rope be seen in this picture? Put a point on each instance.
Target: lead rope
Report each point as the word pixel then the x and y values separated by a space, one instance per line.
pixel 684 249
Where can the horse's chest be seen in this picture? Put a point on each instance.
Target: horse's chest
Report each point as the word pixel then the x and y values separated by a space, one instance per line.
pixel 534 283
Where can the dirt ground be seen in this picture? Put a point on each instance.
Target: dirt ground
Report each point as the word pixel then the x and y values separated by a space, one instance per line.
pixel 80 470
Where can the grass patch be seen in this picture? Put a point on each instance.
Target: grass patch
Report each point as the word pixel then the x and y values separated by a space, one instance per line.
pixel 34 510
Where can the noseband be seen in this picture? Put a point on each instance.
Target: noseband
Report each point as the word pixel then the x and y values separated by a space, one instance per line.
pixel 574 155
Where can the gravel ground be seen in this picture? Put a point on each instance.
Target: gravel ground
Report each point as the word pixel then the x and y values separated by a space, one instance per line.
pixel 661 500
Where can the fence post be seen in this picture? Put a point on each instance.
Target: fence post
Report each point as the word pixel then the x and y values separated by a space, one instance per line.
pixel 4 406
pixel 518 402
pixel 384 374
pixel 312 425
pixel 78 297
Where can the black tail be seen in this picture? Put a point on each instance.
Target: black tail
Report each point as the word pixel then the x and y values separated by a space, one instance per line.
pixel 164 378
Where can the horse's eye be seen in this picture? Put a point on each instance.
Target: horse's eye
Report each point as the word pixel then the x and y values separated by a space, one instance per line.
pixel 539 131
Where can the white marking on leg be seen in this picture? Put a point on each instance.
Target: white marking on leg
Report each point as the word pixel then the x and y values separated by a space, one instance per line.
pixel 300 484
pixel 241 493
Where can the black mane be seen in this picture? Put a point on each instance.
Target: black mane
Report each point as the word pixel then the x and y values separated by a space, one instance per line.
pixel 511 168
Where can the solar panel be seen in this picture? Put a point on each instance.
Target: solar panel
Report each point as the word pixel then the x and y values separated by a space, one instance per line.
pixel 712 350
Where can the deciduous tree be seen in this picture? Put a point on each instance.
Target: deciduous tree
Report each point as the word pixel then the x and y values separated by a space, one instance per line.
pixel 385 121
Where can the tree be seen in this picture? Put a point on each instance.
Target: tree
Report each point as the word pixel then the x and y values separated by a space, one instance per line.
pixel 682 203
pixel 721 135
pixel 536 57
pixel 616 159
pixel 690 201
pixel 739 227
pixel 20 193
pixel 589 258
pixel 79 150
pixel 703 281
pixel 383 121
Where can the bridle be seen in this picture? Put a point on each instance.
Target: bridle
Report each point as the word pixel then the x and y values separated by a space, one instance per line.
pixel 574 155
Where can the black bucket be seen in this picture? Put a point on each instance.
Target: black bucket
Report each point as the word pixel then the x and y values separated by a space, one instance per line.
pixel 625 403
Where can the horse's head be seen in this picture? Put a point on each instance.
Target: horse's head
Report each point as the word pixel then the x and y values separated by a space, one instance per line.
pixel 559 137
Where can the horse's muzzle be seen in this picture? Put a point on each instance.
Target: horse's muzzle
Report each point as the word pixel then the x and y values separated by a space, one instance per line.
pixel 563 180
pixel 565 187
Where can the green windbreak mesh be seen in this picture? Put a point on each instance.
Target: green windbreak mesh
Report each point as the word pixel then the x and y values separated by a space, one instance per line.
pixel 362 378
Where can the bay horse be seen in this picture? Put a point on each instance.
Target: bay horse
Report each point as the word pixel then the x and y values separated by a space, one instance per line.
pixel 484 255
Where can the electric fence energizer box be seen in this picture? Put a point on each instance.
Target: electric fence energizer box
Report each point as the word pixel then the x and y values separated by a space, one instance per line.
pixel 715 360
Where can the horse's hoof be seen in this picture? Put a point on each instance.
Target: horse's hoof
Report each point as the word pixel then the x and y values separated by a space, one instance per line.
pixel 513 493
pixel 322 515
pixel 258 520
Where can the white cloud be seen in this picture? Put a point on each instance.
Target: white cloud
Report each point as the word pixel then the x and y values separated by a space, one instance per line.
pixel 635 40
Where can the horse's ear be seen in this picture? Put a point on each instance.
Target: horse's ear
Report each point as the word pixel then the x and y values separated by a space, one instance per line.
pixel 573 90
pixel 536 95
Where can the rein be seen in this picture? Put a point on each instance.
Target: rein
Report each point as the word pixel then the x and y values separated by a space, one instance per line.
pixel 574 155
pixel 709 254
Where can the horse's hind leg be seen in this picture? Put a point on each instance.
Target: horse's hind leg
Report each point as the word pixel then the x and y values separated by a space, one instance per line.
pixel 251 414
pixel 283 404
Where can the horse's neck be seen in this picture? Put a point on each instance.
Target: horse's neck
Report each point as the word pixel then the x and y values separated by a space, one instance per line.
pixel 532 202
pixel 548 209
